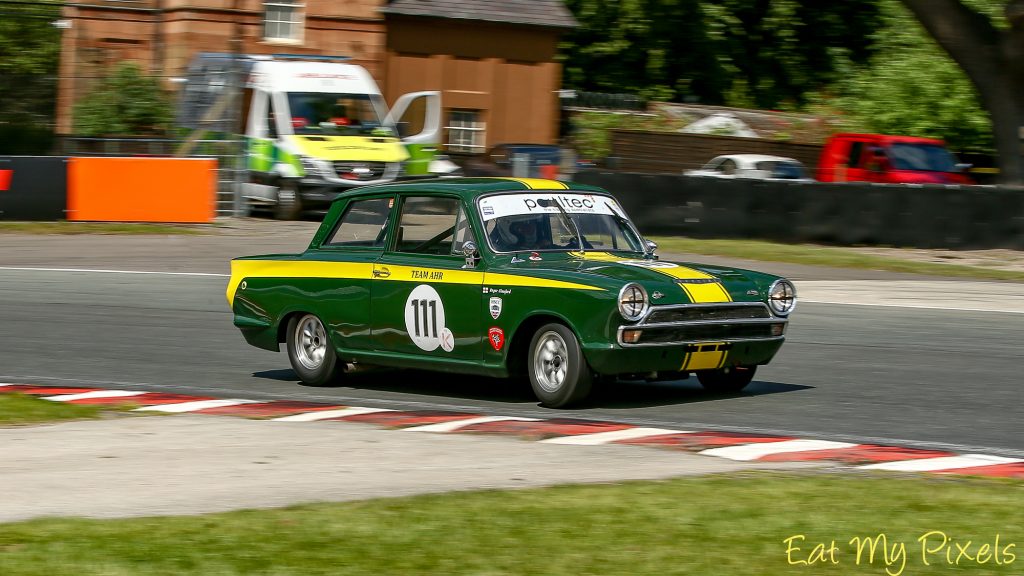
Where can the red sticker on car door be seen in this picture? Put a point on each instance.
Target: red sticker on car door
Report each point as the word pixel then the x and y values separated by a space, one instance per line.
pixel 496 336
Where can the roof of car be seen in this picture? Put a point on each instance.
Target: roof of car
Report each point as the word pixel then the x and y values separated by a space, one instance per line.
pixel 758 158
pixel 473 187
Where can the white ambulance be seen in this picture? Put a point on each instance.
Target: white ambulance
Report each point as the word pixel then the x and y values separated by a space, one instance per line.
pixel 313 127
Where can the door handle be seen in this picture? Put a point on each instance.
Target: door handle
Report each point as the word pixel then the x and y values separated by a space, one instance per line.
pixel 381 273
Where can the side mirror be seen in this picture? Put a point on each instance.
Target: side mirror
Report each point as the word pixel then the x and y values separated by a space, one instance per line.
pixel 472 254
pixel 650 248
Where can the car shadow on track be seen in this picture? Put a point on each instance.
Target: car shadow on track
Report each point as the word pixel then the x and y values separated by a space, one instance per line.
pixel 608 395
pixel 638 394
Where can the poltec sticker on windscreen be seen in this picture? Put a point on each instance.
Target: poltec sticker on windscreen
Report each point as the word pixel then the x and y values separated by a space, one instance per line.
pixel 520 204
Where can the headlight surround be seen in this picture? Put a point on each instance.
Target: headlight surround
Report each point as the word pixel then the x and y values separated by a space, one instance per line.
pixel 633 302
pixel 310 166
pixel 782 297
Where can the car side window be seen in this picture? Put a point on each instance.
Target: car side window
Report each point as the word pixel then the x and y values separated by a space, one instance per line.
pixel 856 149
pixel 728 167
pixel 427 225
pixel 363 224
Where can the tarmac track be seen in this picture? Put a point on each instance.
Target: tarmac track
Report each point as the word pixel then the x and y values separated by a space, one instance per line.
pixel 928 378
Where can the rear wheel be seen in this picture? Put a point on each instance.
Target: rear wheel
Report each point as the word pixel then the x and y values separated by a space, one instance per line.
pixel 559 373
pixel 731 379
pixel 289 203
pixel 310 351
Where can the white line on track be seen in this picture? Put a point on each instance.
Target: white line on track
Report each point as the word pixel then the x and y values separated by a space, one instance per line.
pixel 943 463
pixel 762 449
pixel 914 306
pixel 100 271
pixel 612 436
pixel 193 406
pixel 457 424
pixel 326 414
pixel 94 394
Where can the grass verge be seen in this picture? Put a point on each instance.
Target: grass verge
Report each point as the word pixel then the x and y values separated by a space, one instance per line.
pixel 735 525
pixel 98 228
pixel 20 409
pixel 813 255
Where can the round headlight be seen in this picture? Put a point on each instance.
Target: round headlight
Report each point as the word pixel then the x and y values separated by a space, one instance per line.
pixel 632 302
pixel 782 297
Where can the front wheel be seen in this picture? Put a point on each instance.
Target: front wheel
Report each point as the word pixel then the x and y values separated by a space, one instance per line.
pixel 289 203
pixel 727 379
pixel 559 373
pixel 310 351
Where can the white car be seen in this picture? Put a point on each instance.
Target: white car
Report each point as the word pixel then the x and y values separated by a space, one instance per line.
pixel 757 166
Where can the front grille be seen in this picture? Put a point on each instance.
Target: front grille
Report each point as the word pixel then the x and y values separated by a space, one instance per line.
pixel 722 313
pixel 705 333
pixel 360 171
pixel 699 323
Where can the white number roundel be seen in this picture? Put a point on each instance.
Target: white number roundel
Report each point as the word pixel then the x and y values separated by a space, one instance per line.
pixel 424 318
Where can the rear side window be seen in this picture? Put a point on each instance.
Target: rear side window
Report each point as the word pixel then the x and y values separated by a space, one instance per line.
pixel 428 225
pixel 364 224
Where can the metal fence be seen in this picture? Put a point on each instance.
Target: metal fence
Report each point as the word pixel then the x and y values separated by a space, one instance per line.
pixel 230 156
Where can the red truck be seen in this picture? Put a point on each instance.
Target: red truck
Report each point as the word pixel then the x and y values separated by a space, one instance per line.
pixel 889 160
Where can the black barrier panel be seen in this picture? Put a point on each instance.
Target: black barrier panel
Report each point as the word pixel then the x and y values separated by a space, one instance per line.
pixel 36 187
pixel 955 217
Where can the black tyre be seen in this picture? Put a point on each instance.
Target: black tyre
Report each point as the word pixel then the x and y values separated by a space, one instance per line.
pixel 727 379
pixel 289 202
pixel 310 350
pixel 559 373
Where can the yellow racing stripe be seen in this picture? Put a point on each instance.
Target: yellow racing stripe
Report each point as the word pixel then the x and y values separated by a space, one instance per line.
pixel 705 356
pixel 243 269
pixel 540 183
pixel 706 293
pixel 700 287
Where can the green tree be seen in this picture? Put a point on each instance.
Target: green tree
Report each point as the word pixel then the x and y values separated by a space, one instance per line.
pixel 127 102
pixel 910 86
pixel 989 47
pixel 29 57
pixel 743 52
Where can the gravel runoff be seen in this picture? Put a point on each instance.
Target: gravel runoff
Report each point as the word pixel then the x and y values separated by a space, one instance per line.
pixel 195 464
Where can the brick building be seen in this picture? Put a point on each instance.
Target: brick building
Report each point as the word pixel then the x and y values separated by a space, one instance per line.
pixel 493 60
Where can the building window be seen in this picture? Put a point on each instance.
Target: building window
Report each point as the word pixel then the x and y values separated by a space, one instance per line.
pixel 282 20
pixel 465 131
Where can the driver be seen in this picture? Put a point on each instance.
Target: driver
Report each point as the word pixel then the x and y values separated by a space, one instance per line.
pixel 520 234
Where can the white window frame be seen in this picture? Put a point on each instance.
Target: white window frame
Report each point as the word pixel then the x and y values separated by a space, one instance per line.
pixel 292 15
pixel 466 132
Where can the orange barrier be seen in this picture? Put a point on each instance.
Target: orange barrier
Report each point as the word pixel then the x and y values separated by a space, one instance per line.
pixel 142 189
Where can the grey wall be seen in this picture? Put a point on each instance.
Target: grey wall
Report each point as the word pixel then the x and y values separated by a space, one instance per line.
pixel 847 213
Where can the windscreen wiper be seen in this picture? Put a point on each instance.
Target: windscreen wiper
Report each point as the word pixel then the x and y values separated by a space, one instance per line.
pixel 565 219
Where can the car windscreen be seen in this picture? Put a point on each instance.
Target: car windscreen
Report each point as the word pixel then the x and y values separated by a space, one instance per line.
pixel 928 157
pixel 335 114
pixel 533 222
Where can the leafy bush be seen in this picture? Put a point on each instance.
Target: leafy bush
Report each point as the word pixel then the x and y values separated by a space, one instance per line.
pixel 125 103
